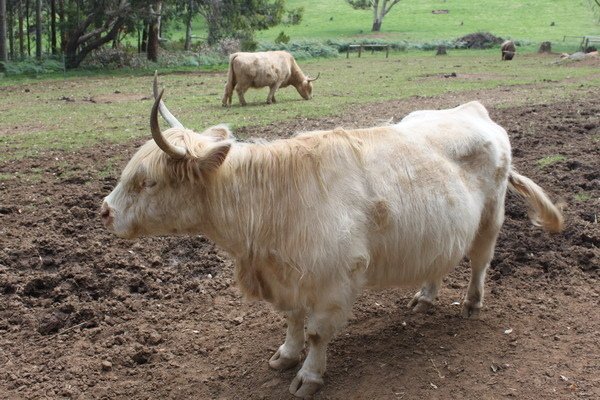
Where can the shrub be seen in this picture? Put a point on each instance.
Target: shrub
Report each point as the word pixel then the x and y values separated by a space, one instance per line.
pixel 302 49
pixel 282 38
pixel 31 66
pixel 228 46
pixel 479 40
pixel 108 58
pixel 294 16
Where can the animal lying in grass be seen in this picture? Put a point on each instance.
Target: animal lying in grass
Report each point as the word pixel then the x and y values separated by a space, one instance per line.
pixel 313 219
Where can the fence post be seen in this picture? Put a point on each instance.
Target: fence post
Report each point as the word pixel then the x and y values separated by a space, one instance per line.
pixel 360 50
pixel 387 50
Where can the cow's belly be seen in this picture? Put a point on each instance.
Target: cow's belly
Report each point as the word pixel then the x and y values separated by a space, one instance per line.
pixel 423 244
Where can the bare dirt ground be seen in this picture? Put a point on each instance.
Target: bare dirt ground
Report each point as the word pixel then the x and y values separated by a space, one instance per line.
pixel 88 316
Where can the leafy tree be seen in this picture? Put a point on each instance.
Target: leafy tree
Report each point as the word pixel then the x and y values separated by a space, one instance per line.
pixel 239 18
pixel 380 9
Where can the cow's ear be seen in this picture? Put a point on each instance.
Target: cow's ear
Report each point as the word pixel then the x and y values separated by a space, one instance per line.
pixel 219 132
pixel 215 155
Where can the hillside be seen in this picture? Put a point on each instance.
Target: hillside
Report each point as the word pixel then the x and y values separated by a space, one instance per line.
pixel 414 21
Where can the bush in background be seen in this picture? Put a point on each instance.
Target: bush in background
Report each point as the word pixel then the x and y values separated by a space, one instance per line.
pixel 33 67
pixel 302 49
pixel 282 38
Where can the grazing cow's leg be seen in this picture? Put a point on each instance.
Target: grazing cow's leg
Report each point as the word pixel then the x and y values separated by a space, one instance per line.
pixel 322 325
pixel 240 92
pixel 228 94
pixel 481 253
pixel 271 96
pixel 425 297
pixel 288 354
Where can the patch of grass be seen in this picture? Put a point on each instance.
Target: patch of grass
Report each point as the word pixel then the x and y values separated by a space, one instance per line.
pixel 550 160
pixel 6 177
pixel 79 111
pixel 583 196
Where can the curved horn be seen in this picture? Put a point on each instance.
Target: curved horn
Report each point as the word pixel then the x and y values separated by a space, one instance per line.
pixel 164 111
pixel 176 152
pixel 314 79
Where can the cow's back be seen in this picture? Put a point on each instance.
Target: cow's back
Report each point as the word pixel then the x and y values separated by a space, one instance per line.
pixel 428 182
pixel 261 69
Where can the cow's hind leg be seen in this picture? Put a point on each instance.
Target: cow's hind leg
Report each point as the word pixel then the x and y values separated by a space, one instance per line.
pixel 481 253
pixel 240 92
pixel 228 93
pixel 288 354
pixel 424 298
pixel 322 325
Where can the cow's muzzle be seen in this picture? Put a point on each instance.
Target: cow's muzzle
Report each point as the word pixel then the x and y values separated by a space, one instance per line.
pixel 107 216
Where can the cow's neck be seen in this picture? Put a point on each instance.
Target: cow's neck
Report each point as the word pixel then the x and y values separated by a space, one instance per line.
pixel 255 193
pixel 296 77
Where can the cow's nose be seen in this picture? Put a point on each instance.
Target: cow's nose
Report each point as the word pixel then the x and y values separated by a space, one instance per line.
pixel 106 214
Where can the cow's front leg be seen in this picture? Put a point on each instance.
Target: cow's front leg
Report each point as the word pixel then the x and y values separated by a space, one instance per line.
pixel 321 327
pixel 271 96
pixel 424 298
pixel 288 354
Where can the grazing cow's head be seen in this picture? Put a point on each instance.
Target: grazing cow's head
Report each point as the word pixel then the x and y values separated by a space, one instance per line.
pixel 158 189
pixel 305 88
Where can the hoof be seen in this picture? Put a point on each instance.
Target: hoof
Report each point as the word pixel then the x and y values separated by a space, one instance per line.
pixel 422 307
pixel 305 385
pixel 281 363
pixel 419 304
pixel 471 310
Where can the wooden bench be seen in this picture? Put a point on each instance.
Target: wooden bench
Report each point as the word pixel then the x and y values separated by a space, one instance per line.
pixel 360 48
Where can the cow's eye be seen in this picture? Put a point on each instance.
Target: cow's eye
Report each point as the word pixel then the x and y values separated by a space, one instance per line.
pixel 149 183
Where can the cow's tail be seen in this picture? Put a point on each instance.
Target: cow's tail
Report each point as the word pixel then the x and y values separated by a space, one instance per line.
pixel 231 81
pixel 542 211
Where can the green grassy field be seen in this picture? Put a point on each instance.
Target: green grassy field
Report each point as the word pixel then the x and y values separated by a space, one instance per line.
pixel 81 111
pixel 413 21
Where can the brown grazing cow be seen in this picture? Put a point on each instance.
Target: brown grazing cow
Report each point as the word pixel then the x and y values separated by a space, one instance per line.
pixel 508 50
pixel 274 69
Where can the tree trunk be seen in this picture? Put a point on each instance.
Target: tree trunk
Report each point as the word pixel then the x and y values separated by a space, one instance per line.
pixel 188 26
pixel 144 46
pixel 11 30
pixel 38 29
pixel 74 55
pixel 27 12
pixel 61 24
pixel 376 26
pixel 21 41
pixel 3 50
pixel 153 31
pixel 376 21
pixel 380 11
pixel 53 26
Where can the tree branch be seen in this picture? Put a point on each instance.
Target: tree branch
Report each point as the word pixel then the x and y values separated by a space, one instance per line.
pixel 87 36
pixel 392 4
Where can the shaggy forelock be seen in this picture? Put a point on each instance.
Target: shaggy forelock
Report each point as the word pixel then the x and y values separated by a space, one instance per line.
pixel 156 165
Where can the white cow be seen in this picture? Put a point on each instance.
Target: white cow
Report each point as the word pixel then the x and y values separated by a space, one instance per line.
pixel 313 219
pixel 273 69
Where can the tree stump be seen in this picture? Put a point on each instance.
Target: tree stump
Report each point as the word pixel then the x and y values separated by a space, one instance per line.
pixel 545 47
pixel 441 51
